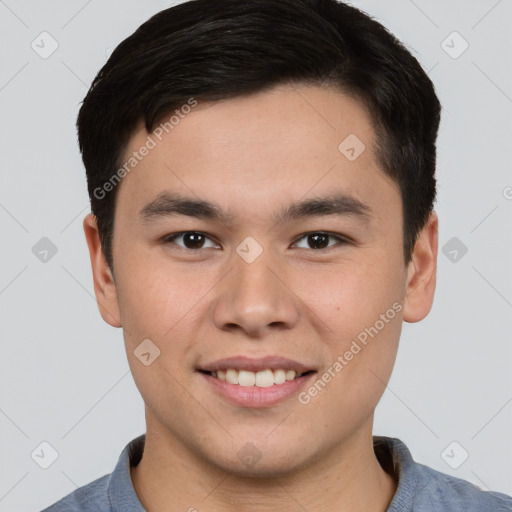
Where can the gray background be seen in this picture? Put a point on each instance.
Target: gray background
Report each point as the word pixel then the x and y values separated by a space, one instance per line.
pixel 64 374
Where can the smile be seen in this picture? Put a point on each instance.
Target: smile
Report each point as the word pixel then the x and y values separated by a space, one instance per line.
pixel 260 379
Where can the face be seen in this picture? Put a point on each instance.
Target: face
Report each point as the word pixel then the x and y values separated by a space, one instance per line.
pixel 296 263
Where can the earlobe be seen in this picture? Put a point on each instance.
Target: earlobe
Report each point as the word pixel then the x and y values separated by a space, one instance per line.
pixel 104 283
pixel 421 273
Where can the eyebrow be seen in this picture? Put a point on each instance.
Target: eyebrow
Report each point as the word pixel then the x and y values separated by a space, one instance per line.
pixel 171 204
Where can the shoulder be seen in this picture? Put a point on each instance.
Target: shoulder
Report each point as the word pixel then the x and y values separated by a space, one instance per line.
pixel 113 491
pixel 92 497
pixel 423 489
pixel 450 493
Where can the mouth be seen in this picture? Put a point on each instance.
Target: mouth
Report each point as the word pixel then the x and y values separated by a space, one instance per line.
pixel 255 383
pixel 261 379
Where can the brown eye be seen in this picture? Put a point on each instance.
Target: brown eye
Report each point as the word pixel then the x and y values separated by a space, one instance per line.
pixel 190 239
pixel 320 240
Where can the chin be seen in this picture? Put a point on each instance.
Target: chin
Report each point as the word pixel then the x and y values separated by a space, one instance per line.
pixel 259 458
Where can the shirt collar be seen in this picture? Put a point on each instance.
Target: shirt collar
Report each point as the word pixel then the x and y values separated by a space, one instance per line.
pixel 396 459
pixel 121 494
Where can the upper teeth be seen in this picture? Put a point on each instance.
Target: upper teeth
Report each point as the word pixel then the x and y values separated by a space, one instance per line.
pixel 262 379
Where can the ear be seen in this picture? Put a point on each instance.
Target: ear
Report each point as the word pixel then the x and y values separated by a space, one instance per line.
pixel 104 284
pixel 421 273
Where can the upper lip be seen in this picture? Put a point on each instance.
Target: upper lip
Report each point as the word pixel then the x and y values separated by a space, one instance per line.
pixel 256 365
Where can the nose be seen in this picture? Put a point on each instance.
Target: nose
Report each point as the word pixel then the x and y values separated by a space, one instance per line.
pixel 256 299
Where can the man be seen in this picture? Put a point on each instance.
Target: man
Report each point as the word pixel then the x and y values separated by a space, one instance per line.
pixel 262 182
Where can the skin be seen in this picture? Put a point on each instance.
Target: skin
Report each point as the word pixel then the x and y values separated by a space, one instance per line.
pixel 252 156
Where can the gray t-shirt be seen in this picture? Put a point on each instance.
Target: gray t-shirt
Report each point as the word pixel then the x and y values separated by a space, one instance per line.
pixel 420 488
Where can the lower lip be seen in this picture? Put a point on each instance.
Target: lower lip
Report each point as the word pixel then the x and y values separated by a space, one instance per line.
pixel 253 396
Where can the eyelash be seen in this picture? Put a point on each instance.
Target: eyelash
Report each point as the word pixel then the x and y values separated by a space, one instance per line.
pixel 341 239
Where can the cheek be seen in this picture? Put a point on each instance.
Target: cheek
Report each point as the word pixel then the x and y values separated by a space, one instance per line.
pixel 156 308
pixel 152 297
pixel 164 303
pixel 366 321
pixel 362 305
pixel 353 296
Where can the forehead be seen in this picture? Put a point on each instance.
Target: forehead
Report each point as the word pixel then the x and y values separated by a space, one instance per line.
pixel 286 141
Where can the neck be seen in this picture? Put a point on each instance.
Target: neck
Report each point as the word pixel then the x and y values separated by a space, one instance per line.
pixel 347 478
